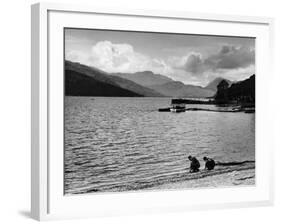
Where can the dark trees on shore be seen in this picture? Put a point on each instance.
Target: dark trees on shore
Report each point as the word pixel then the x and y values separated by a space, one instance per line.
pixel 240 92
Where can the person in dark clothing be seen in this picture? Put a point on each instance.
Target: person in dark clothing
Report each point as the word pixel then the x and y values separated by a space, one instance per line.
pixel 209 163
pixel 194 165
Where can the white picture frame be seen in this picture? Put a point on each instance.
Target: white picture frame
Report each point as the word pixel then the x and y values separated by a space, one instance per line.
pixel 47 198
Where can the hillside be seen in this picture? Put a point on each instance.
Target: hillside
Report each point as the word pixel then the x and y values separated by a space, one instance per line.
pixel 97 74
pixel 179 89
pixel 132 86
pixel 78 84
pixel 145 78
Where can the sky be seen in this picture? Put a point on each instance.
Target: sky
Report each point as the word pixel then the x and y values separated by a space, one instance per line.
pixel 191 59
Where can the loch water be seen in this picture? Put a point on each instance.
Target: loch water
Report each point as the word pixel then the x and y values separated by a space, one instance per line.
pixel 120 144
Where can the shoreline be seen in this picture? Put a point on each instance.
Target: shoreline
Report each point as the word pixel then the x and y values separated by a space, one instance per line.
pixel 235 178
pixel 238 178
pixel 223 176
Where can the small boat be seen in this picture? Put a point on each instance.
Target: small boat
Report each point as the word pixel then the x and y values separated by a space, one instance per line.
pixel 177 108
pixel 249 110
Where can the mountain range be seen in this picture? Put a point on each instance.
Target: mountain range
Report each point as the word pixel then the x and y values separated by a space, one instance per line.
pixel 82 80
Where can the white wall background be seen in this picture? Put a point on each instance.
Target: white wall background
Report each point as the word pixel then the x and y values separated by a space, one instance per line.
pixel 15 110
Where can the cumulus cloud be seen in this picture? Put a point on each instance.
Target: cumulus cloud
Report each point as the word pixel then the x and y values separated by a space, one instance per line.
pixel 109 56
pixel 194 64
pixel 228 57
pixel 231 57
pixel 112 57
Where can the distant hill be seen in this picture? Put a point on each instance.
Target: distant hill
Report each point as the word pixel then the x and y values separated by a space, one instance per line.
pixel 179 89
pixel 132 86
pixel 75 77
pixel 165 85
pixel 145 78
pixel 213 84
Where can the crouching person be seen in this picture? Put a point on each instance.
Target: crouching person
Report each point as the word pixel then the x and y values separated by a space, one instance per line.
pixel 209 163
pixel 194 165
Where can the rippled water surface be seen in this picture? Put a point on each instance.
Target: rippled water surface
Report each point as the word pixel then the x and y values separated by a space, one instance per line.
pixel 118 144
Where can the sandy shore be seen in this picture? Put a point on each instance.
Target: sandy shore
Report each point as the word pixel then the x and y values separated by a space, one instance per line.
pixel 243 177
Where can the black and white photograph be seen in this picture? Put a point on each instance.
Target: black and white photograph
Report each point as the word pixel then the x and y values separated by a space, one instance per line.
pixel 146 111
